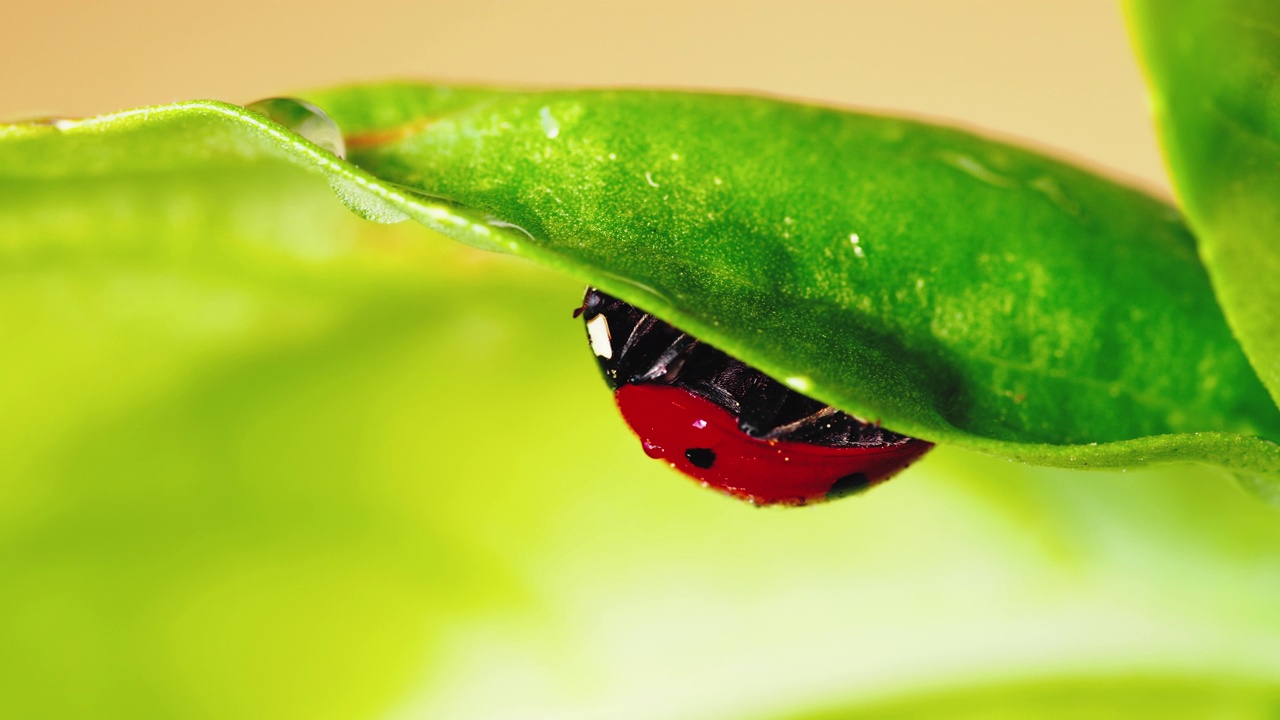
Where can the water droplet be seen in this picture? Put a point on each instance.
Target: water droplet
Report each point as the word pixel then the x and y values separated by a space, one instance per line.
pixel 699 424
pixel 495 222
pixel 550 126
pixel 1050 188
pixel 55 121
pixel 304 119
pixel 1261 487
pixel 973 168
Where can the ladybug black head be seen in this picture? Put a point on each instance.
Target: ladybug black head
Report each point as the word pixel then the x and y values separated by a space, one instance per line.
pixel 633 347
pixel 630 345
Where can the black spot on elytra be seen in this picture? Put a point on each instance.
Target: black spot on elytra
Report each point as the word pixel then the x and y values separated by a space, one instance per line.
pixel 848 485
pixel 700 457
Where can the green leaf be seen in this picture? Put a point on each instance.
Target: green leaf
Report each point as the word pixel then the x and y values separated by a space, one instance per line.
pixel 1212 66
pixel 262 459
pixel 1097 698
pixel 955 288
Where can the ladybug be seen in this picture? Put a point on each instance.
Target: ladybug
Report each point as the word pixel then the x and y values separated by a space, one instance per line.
pixel 727 424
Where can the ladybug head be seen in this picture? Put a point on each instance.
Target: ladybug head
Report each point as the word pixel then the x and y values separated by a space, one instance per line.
pixel 630 345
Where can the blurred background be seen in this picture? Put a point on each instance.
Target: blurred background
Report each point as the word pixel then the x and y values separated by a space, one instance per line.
pixel 1059 74
pixel 262 459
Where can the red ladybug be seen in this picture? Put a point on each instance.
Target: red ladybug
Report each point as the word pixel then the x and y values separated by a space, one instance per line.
pixel 729 425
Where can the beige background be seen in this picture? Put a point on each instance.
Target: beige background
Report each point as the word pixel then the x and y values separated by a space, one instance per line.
pixel 1057 73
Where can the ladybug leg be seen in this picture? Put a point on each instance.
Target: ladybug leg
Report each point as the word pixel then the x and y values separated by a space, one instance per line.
pixel 645 346
pixel 807 425
pixel 666 368
pixel 640 329
pixel 759 407
pixel 592 301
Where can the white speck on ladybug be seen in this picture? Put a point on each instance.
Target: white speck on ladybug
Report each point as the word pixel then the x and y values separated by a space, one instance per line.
pixel 601 341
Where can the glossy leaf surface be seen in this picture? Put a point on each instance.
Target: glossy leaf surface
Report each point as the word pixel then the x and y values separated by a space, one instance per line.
pixel 942 282
pixel 1212 66
pixel 993 299
pixel 262 459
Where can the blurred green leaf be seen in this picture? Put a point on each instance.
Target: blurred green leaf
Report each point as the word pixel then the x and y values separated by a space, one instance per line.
pixel 1097 698
pixel 262 459
pixel 1213 67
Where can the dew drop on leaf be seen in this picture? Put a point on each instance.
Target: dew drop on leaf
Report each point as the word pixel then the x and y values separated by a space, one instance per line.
pixel 55 121
pixel 1263 488
pixel 304 119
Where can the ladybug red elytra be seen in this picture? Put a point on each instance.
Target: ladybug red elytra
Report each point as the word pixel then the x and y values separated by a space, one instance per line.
pixel 732 427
